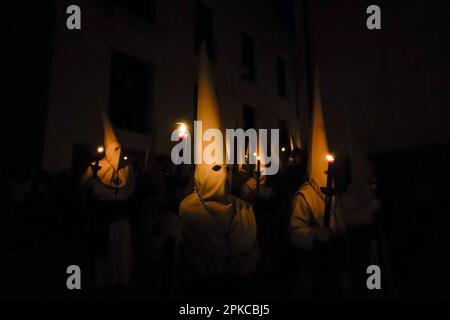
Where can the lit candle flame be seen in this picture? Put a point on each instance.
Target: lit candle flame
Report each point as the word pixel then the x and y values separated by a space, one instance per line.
pixel 330 158
pixel 182 130
pixel 283 149
pixel 100 149
pixel 125 158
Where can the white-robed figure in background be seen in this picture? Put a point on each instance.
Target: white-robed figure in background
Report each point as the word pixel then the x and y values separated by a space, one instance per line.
pixel 109 189
pixel 219 230
pixel 306 228
pixel 115 176
pixel 307 231
pixel 369 245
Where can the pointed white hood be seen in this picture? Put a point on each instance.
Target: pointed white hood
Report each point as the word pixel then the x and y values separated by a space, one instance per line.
pixel 212 219
pixel 110 173
pixel 318 164
pixel 212 181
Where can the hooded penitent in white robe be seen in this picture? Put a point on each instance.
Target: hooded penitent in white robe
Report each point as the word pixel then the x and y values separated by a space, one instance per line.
pixel 111 188
pixel 352 209
pixel 309 202
pixel 219 230
pixel 359 198
pixel 116 181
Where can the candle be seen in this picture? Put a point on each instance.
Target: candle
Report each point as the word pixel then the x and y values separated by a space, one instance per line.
pixel 328 191
pixel 258 172
pixel 259 166
pixel 182 131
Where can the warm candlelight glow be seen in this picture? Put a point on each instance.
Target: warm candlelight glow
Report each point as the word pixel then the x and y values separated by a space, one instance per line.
pixel 182 130
pixel 100 149
pixel 125 158
pixel 283 149
pixel 330 158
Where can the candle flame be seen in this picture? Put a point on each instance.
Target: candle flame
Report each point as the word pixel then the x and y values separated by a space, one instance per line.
pixel 100 149
pixel 182 130
pixel 330 158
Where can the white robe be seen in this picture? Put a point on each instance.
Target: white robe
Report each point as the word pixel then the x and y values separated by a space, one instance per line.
pixel 214 247
pixel 308 210
pixel 308 215
pixel 219 230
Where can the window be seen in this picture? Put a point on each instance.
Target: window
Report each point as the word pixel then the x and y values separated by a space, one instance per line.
pixel 204 29
pixel 144 9
pixel 281 77
pixel 131 93
pixel 248 58
pixel 248 113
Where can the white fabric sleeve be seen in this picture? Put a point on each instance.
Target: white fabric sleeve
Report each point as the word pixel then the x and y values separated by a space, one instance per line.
pixel 301 233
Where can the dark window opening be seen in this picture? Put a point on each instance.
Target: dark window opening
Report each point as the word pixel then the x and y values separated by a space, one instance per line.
pixel 248 58
pixel 204 29
pixel 131 93
pixel 248 113
pixel 281 77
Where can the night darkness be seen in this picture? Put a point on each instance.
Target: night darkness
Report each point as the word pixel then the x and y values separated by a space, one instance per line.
pixel 138 68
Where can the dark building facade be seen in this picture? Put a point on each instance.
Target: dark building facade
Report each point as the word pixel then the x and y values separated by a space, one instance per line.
pixel 138 62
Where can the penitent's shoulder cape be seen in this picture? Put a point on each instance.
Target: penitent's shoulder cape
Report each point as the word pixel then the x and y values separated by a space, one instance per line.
pixel 217 235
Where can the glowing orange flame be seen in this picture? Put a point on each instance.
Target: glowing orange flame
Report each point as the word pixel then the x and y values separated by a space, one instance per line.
pixel 330 158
